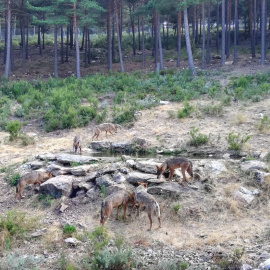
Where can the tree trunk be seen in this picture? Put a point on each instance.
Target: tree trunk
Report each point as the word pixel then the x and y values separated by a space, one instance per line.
pixel 71 34
pixel 8 14
pixel 23 37
pixel 179 34
pixel 263 31
pixel 139 35
pixel 39 40
pixel 208 36
pixel 133 29
pixel 118 36
pixel 55 52
pixel 78 72
pixel 155 37
pixel 235 31
pixel 83 37
pixel 89 48
pixel 223 33
pixel 86 46
pixel 67 43
pixel 109 39
pixel 251 29
pixel 217 34
pixel 194 22
pixel 188 45
pixel 167 40
pixel 160 43
pixel 228 29
pixel 196 26
pixel 121 19
pixel 27 39
pixel 143 37
pixel 62 45
pixel 113 37
pixel 203 42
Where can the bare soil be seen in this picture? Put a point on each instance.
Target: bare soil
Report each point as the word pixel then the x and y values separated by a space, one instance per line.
pixel 205 221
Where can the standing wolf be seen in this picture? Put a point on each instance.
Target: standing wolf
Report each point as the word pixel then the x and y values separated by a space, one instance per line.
pixel 143 198
pixel 31 178
pixel 173 163
pixel 77 143
pixel 116 199
pixel 107 127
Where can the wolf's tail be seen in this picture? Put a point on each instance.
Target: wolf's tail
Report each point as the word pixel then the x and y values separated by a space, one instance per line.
pixel 17 182
pixel 191 168
pixel 157 209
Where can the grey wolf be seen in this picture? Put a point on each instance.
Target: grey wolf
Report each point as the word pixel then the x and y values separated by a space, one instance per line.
pixel 107 127
pixel 116 199
pixel 77 143
pixel 31 178
pixel 173 163
pixel 143 198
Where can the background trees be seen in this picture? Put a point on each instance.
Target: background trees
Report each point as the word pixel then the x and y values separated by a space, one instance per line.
pixel 134 25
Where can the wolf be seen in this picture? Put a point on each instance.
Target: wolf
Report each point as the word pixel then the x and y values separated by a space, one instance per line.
pixel 77 143
pixel 173 163
pixel 107 127
pixel 143 198
pixel 31 178
pixel 116 199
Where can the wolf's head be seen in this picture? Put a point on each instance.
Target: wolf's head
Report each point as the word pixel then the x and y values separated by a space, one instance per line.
pixel 160 171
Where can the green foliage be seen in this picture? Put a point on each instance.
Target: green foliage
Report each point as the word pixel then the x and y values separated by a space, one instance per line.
pixel 14 129
pixel 186 111
pixel 65 264
pixel 264 124
pixel 14 179
pixel 103 191
pixel 198 138
pixel 236 141
pixel 13 228
pixel 176 207
pixel 75 164
pixel 46 200
pixel 118 260
pixel 215 110
pixel 69 229
pixel 99 238
pixel 233 261
pixel 26 140
pixel 172 265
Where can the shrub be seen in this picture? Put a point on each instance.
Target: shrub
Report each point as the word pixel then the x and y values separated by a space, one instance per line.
pixel 197 138
pixel 99 238
pixel 69 229
pixel 186 111
pixel 14 128
pixel 13 228
pixel 172 265
pixel 236 141
pixel 264 124
pixel 233 261
pixel 14 179
pixel 176 207
pixel 119 260
pixel 26 140
pixel 215 110
pixel 46 200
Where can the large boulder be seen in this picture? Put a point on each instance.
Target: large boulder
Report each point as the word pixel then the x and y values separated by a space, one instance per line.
pixel 81 170
pixel 46 156
pixel 57 186
pixel 147 166
pixel 169 188
pixel 119 187
pixel 100 145
pixel 121 147
pixel 68 158
pixel 105 180
pixel 119 178
pixel 251 165
pixel 135 177
pixel 35 165
pixel 215 168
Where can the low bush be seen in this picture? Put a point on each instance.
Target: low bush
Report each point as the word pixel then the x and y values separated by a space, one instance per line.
pixel 236 141
pixel 198 138
pixel 69 229
pixel 186 111
pixel 14 129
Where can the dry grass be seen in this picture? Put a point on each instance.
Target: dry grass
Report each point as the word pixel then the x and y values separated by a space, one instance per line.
pixel 53 237
pixel 240 118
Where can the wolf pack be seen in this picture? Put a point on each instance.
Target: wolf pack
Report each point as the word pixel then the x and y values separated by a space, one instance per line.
pixel 139 197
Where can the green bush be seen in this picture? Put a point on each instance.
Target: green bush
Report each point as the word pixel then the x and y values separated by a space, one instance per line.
pixel 264 124
pixel 69 229
pixel 99 238
pixel 198 138
pixel 176 207
pixel 172 265
pixel 14 129
pixel 14 179
pixel 236 141
pixel 186 111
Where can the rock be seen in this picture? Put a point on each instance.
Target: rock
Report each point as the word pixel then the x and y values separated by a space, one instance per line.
pixel 147 166
pixel 265 265
pixel 161 102
pixel 72 241
pixel 81 170
pixel 105 180
pixel 46 156
pixel 264 155
pixel 63 207
pixel 135 177
pixel 92 194
pixel 38 233
pixel 115 188
pixel 246 267
pixel 111 168
pixel 35 165
pixel 139 141
pixel 243 197
pixel 119 178
pixel 121 147
pixel 85 181
pixel 215 168
pixel 58 170
pixel 130 163
pixel 169 188
pixel 57 186
pixel 124 170
pixel 100 145
pixel 68 158
pixel 252 165
pixel 260 177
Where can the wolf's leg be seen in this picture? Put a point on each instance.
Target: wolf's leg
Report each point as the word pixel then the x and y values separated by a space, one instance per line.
pixel 139 209
pixel 171 174
pixel 150 219
pixel 125 210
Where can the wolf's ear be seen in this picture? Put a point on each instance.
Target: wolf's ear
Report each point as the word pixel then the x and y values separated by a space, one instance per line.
pixel 158 167
pixel 144 184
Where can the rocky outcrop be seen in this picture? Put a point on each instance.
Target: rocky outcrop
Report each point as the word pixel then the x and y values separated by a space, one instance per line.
pixel 252 165
pixel 147 166
pixel 68 159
